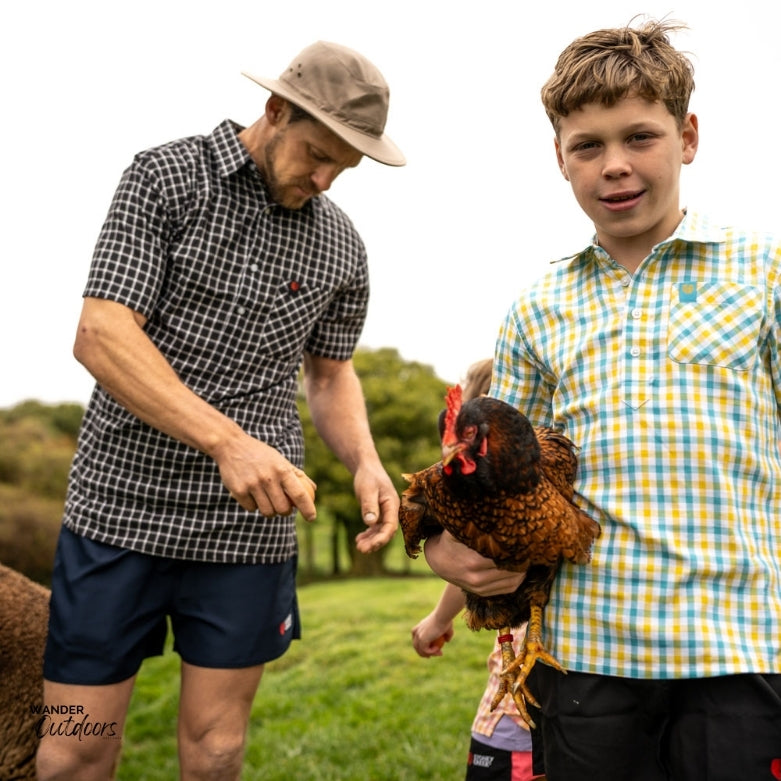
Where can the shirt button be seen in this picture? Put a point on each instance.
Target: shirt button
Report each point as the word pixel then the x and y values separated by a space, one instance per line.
pixel 240 310
pixel 637 314
pixel 253 267
pixel 634 352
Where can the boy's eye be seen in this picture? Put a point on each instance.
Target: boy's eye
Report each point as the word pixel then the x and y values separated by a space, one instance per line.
pixel 585 146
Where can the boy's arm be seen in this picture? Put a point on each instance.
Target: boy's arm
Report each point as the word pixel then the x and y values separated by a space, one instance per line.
pixel 436 629
pixel 461 566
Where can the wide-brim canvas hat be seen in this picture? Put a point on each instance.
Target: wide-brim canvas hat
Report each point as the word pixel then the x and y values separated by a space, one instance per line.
pixel 344 91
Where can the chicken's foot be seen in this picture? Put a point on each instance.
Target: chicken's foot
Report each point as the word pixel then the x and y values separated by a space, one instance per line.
pixel 507 679
pixel 517 671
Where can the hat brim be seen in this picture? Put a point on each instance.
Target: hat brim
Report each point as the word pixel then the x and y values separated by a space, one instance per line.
pixel 381 149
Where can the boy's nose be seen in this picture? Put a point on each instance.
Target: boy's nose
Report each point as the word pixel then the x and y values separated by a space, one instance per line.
pixel 616 163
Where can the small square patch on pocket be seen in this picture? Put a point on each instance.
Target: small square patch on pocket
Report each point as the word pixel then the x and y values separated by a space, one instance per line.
pixel 687 292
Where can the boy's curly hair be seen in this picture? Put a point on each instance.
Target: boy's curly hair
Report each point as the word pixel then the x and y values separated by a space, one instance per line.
pixel 607 65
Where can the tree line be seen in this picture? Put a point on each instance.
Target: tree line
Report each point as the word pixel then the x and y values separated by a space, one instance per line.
pixel 37 443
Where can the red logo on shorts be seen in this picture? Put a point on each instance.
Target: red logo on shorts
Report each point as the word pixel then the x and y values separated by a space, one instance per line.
pixel 775 768
pixel 286 625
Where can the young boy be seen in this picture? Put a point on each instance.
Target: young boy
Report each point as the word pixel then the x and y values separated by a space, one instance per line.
pixel 656 349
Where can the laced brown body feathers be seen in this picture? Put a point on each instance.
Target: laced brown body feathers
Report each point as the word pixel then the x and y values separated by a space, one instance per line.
pixel 505 489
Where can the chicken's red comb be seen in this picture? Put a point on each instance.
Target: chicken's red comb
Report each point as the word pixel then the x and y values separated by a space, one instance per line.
pixel 453 402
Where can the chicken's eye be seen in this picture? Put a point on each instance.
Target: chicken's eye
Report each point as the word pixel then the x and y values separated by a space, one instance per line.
pixel 469 433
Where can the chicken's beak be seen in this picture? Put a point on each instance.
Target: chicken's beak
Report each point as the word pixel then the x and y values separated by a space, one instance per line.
pixel 449 452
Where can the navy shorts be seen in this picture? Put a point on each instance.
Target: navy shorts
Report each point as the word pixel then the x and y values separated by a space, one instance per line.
pixel 110 609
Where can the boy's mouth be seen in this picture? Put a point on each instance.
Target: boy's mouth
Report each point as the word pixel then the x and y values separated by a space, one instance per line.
pixel 622 201
pixel 621 197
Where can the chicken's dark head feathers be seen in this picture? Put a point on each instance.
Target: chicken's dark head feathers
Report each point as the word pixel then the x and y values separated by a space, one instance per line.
pixel 487 446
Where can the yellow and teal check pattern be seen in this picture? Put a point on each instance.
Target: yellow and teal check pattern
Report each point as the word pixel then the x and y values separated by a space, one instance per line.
pixel 669 381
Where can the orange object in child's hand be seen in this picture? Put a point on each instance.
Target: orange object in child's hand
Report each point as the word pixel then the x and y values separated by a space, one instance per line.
pixel 439 642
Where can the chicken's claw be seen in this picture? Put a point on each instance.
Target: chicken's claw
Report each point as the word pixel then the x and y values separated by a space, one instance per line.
pixel 507 680
pixel 516 669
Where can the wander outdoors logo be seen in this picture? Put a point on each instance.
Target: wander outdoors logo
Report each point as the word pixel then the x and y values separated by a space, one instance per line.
pixel 71 721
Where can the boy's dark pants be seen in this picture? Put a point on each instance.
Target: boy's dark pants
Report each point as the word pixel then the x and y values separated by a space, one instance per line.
pixel 601 727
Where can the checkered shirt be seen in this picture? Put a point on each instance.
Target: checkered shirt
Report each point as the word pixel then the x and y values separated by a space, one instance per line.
pixel 235 288
pixel 669 380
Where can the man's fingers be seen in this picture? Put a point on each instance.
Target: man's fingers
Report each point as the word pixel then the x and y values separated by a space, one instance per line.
pixel 259 501
pixel 247 501
pixel 294 489
pixel 375 537
pixel 300 490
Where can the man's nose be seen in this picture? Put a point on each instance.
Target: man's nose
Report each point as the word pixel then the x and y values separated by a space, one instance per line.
pixel 323 177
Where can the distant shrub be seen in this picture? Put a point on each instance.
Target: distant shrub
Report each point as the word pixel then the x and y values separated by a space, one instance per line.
pixel 37 443
pixel 62 418
pixel 29 527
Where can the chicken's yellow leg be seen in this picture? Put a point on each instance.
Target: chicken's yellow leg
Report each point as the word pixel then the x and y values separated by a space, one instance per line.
pixel 507 678
pixel 505 641
pixel 533 651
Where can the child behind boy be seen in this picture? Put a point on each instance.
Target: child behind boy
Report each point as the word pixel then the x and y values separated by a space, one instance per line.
pixel 657 350
pixel 500 747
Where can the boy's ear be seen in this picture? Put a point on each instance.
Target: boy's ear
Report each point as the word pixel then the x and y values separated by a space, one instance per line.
pixel 560 159
pixel 690 136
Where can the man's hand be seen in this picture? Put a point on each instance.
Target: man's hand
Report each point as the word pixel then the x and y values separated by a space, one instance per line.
pixel 460 565
pixel 379 508
pixel 260 478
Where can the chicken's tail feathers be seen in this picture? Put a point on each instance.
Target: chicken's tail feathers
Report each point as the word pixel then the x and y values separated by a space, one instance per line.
pixel 588 531
pixel 583 530
pixel 412 514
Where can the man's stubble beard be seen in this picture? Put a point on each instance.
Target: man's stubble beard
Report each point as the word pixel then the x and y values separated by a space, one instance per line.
pixel 276 188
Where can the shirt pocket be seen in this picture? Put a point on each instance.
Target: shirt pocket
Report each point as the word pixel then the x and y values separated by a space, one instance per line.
pixel 290 317
pixel 715 324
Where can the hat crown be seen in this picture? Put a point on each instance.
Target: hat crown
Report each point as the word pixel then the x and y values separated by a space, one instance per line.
pixel 341 83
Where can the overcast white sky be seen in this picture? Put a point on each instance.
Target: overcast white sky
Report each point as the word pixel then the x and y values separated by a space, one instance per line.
pixel 479 210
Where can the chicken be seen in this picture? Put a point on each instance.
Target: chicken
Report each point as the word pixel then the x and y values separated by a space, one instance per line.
pixel 504 489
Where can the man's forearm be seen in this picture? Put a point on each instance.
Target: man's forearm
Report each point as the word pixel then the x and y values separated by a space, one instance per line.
pixel 338 410
pixel 113 347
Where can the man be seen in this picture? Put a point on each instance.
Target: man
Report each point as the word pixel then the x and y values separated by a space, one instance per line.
pixel 219 271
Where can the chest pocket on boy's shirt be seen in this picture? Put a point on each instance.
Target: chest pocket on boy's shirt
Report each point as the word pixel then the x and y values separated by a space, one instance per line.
pixel 715 324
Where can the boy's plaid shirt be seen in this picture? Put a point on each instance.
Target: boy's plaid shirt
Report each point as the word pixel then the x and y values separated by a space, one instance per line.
pixel 669 382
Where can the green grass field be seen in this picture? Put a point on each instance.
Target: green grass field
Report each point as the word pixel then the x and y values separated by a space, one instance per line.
pixel 351 700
